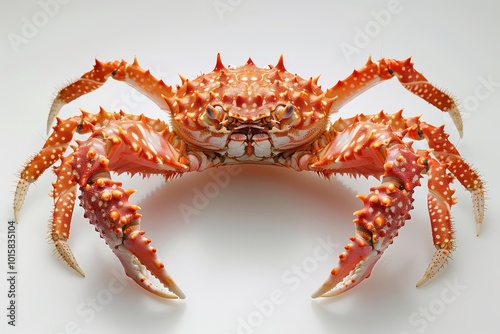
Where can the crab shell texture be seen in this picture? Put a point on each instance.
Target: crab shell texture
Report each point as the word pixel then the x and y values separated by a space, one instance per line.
pixel 249 113
pixel 257 115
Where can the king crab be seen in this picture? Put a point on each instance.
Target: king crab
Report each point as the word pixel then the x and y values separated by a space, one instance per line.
pixel 252 115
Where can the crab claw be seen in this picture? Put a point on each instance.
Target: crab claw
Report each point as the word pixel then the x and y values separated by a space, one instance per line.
pixel 136 255
pixel 385 210
pixel 355 264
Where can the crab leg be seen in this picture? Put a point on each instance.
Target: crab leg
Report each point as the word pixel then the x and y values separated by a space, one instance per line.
pixel 54 148
pixel 439 202
pixel 384 69
pixel 64 189
pixel 355 149
pixel 64 194
pixel 446 153
pixel 52 151
pixel 132 74
pixel 442 149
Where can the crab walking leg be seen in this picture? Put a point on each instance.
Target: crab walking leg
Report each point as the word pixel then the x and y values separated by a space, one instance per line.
pixel 126 143
pixel 384 69
pixel 441 147
pixel 133 74
pixel 446 153
pixel 52 151
pixel 64 194
pixel 57 144
pixel 439 202
pixel 64 189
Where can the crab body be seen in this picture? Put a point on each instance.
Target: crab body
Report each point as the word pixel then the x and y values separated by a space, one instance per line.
pixel 252 115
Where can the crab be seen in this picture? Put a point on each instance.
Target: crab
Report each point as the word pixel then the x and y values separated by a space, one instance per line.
pixel 248 114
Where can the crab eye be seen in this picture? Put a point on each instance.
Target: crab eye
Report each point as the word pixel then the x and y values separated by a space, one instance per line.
pixel 215 112
pixel 283 111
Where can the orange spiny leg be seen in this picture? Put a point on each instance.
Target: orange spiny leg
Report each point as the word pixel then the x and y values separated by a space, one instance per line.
pixel 52 151
pixel 64 188
pixel 439 202
pixel 64 194
pixel 446 153
pixel 395 121
pixel 375 72
pixel 442 149
pixel 132 74
pixel 54 148
pixel 370 149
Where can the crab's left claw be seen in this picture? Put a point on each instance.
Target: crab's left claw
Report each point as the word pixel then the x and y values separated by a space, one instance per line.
pixel 118 223
pixel 385 210
pixel 355 264
pixel 136 255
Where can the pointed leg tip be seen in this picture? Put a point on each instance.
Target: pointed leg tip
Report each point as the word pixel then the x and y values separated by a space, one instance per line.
pixel 478 228
pixel 422 281
pixel 62 247
pixel 78 270
pixel 438 261
pixel 457 120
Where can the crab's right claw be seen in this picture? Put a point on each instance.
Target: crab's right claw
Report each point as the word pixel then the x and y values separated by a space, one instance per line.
pixel 136 255
pixel 355 264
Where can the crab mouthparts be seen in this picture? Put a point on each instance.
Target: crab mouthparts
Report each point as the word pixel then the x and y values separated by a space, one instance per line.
pixel 249 132
pixel 250 127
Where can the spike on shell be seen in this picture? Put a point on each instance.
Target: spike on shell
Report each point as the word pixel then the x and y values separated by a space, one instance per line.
pixel 280 66
pixel 219 66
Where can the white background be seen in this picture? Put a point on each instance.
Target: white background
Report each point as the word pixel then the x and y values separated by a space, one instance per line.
pixel 241 247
